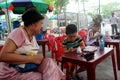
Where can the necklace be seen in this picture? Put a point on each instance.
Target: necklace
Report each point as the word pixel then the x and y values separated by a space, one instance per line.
pixel 28 35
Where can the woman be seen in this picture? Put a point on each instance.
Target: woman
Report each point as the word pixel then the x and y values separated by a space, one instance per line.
pixel 22 40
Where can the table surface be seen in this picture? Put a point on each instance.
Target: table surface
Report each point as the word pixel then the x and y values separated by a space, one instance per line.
pixel 97 55
pixel 114 41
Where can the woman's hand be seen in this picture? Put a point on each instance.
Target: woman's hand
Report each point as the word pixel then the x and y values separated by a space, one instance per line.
pixel 37 59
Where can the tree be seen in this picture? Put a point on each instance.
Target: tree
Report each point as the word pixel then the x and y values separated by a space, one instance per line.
pixel 51 2
pixel 83 2
pixel 107 9
pixel 59 5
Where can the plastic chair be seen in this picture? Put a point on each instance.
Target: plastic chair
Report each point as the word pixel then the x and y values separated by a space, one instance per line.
pixel 59 48
pixel 62 31
pixel 45 36
pixel 83 34
pixel 60 52
pixel 51 44
pixel 1 46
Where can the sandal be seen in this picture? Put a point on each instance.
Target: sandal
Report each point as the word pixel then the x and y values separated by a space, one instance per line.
pixel 79 77
pixel 73 78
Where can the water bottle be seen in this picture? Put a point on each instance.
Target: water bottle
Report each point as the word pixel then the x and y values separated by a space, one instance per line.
pixel 104 38
pixel 101 44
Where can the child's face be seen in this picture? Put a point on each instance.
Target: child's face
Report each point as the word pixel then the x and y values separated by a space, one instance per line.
pixel 72 37
pixel 96 29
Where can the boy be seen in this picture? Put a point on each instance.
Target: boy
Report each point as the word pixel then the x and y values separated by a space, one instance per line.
pixel 71 43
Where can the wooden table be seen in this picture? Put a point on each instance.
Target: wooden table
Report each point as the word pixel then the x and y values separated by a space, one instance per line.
pixel 116 44
pixel 90 66
pixel 43 42
pixel 116 36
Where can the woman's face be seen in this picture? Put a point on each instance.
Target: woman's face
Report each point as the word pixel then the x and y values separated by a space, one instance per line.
pixel 38 27
pixel 72 37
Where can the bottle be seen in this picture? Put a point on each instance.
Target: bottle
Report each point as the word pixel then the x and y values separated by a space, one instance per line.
pixel 101 44
pixel 104 38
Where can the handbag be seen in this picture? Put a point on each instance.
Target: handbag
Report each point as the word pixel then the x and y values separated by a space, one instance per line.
pixel 28 67
pixel 22 68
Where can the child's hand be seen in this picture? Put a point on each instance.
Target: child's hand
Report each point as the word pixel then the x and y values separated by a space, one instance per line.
pixel 99 35
pixel 71 49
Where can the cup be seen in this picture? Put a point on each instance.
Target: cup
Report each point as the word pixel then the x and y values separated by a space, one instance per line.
pixel 79 50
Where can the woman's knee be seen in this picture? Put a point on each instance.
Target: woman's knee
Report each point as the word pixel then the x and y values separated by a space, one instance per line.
pixel 46 64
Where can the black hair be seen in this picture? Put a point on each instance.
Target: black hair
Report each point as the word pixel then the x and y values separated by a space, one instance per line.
pixel 112 13
pixel 71 28
pixel 98 18
pixel 96 24
pixel 31 16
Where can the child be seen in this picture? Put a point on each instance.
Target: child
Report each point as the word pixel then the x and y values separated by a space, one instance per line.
pixel 93 34
pixel 72 42
pixel 108 38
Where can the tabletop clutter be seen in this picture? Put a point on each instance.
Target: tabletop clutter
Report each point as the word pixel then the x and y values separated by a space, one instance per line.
pixel 87 53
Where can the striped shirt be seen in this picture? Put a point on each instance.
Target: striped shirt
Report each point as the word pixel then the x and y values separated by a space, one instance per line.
pixel 74 44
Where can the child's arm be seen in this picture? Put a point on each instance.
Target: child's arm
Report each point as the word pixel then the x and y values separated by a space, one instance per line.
pixel 92 36
pixel 69 50
pixel 65 50
pixel 82 45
